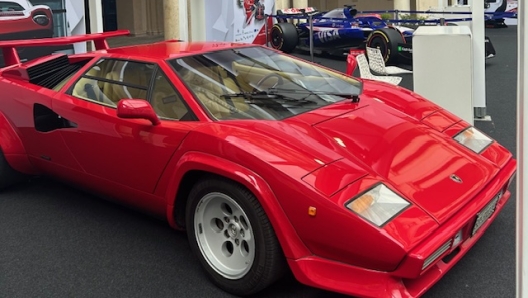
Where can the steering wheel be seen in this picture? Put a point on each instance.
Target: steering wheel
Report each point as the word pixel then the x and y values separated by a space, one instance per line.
pixel 280 80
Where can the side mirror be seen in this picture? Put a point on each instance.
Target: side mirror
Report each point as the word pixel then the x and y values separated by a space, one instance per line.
pixel 137 109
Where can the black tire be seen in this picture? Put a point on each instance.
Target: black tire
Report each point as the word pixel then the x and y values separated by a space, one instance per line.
pixel 8 176
pixel 387 40
pixel 284 37
pixel 220 214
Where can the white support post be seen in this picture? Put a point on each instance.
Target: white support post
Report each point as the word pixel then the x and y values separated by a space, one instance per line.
pixel 522 146
pixel 171 24
pixel 402 5
pixel 479 59
pixel 197 8
pixel 175 19
pixel 96 16
pixel 183 20
pixel 282 4
pixel 300 3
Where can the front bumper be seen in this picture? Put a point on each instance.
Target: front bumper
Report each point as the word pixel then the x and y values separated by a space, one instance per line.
pixel 409 280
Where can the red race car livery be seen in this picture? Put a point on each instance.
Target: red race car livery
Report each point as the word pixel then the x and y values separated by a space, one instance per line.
pixel 267 161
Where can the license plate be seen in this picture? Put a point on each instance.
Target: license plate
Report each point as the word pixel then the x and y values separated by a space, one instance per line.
pixel 486 213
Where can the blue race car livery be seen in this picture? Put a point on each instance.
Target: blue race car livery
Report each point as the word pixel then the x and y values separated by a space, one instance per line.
pixel 338 31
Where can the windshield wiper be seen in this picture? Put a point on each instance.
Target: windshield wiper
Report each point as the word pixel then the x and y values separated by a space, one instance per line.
pixel 252 95
pixel 258 97
pixel 353 96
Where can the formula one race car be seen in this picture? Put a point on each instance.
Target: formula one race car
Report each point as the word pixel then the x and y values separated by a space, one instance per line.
pixel 339 30
pixel 497 10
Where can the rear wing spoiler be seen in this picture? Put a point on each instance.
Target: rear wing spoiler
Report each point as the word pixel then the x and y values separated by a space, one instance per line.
pixel 99 39
pixel 298 11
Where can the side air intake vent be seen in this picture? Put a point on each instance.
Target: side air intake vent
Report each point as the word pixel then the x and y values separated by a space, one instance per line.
pixel 58 76
pixel 41 71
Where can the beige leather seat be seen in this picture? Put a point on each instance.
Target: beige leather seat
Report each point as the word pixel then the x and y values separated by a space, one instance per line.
pixel 87 88
pixel 209 92
pixel 165 101
pixel 233 86
pixel 132 73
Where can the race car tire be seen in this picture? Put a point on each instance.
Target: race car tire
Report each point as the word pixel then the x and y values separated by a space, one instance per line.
pixel 284 37
pixel 386 39
pixel 232 236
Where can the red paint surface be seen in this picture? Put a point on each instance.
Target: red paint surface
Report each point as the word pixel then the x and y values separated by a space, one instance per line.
pixel 319 159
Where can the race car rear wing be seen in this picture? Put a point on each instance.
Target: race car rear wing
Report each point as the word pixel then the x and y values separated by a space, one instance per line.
pixel 298 11
pixel 99 39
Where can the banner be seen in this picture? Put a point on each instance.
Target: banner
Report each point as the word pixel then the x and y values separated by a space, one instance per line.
pixel 23 19
pixel 237 20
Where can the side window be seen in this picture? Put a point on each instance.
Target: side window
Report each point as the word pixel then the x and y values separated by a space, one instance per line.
pixel 166 101
pixel 109 81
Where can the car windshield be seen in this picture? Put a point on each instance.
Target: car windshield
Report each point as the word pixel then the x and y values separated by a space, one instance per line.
pixel 335 13
pixel 259 83
pixel 10 6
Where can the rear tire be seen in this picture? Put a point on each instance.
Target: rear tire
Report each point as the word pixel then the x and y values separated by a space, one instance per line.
pixel 231 235
pixel 8 176
pixel 387 40
pixel 284 37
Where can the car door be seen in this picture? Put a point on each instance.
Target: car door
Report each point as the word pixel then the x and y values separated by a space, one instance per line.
pixel 125 153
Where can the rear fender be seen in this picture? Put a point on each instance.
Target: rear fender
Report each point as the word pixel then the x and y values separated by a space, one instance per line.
pixel 13 149
pixel 197 161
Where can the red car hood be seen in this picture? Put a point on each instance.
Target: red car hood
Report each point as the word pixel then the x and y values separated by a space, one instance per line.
pixel 426 167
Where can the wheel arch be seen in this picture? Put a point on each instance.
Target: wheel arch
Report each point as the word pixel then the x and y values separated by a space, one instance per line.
pixel 13 148
pixel 195 165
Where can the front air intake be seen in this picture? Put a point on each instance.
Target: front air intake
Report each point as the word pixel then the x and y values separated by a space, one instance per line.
pixel 437 254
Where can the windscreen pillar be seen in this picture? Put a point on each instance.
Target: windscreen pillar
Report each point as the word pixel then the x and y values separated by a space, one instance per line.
pixel 443 67
pixel 176 20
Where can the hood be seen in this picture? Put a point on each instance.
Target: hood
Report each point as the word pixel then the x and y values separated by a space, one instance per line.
pixel 428 168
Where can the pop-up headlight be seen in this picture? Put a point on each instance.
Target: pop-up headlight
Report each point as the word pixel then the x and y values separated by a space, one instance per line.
pixel 378 205
pixel 473 139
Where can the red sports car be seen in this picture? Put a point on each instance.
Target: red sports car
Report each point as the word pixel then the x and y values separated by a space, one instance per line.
pixel 19 19
pixel 270 163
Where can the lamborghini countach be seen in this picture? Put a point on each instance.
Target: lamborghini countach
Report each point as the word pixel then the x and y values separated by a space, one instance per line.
pixel 269 163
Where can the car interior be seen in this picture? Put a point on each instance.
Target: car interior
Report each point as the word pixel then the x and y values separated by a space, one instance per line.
pixel 112 80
